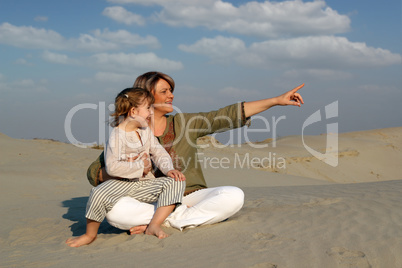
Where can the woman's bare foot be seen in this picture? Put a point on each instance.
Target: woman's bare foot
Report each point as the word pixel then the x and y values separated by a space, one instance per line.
pixel 82 240
pixel 140 229
pixel 156 230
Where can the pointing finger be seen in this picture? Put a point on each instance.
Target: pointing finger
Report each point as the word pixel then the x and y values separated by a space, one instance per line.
pixel 297 88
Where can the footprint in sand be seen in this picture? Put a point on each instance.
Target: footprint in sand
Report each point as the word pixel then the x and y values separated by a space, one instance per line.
pixel 303 159
pixel 322 202
pixel 349 258
pixel 263 241
pixel 264 265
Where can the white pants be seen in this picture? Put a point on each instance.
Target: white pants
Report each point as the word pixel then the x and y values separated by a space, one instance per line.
pixel 205 206
pixel 163 190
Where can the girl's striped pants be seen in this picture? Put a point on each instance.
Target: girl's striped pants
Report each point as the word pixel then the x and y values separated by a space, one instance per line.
pixel 163 190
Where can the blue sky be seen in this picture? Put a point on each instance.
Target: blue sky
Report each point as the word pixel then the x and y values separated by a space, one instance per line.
pixel 55 55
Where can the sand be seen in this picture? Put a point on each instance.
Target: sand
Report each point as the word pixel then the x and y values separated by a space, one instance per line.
pixel 304 213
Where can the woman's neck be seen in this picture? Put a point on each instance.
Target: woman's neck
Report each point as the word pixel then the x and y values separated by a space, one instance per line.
pixel 159 124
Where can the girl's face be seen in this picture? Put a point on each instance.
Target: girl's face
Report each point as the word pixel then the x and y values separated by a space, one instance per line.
pixel 142 113
pixel 163 95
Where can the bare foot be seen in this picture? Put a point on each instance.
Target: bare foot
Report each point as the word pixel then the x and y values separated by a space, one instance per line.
pixel 140 229
pixel 76 242
pixel 156 230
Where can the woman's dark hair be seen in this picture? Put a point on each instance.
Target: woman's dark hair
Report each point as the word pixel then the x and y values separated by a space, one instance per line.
pixel 148 80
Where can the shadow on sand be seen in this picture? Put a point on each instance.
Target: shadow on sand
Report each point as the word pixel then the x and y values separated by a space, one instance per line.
pixel 76 213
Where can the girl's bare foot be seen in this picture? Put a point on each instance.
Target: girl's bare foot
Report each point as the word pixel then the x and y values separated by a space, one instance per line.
pixel 156 230
pixel 140 229
pixel 82 240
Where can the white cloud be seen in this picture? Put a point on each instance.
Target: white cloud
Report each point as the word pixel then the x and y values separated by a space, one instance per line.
pixel 126 38
pixel 57 58
pixel 320 74
pixel 261 19
pixel 379 89
pixel 161 2
pixel 30 37
pixel 88 42
pixel 35 38
pixel 23 62
pixel 324 51
pixel 190 98
pixel 238 93
pixel 116 67
pixel 113 77
pixel 41 18
pixel 314 52
pixel 24 83
pixel 217 48
pixel 120 14
pixel 28 86
pixel 123 62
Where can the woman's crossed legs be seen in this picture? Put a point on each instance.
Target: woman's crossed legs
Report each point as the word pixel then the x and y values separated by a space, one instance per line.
pixel 205 206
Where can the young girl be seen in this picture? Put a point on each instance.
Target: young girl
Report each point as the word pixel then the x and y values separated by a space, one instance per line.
pixel 126 159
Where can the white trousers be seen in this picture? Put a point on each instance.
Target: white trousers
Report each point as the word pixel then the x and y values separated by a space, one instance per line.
pixel 205 206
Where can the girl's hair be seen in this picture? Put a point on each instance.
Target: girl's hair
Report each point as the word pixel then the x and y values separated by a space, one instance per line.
pixel 127 99
pixel 148 80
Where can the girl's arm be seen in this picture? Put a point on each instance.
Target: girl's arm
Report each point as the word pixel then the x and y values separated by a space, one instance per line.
pixel 289 98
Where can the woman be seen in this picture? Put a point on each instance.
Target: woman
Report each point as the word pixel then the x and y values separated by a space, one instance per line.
pixel 178 134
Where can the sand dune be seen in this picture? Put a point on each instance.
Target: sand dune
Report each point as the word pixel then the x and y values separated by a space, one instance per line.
pixel 305 214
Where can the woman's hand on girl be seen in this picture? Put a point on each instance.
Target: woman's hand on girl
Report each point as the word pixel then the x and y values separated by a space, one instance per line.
pixel 176 175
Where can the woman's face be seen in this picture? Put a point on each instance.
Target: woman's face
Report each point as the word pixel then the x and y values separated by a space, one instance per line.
pixel 163 97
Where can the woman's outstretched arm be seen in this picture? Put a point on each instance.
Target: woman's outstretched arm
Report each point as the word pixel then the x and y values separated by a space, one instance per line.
pixel 289 98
